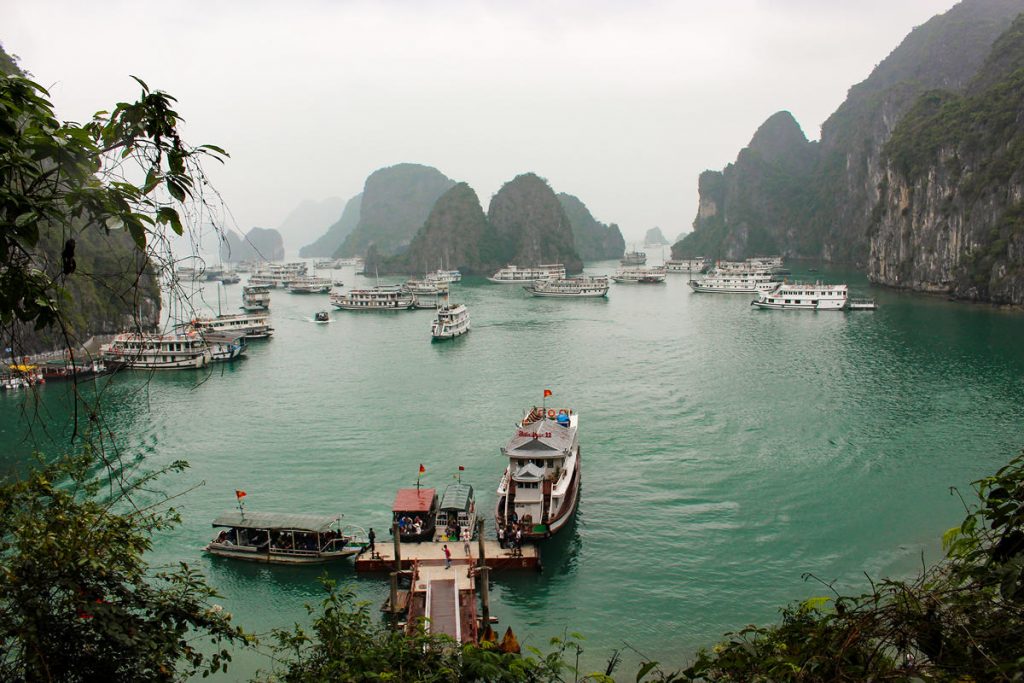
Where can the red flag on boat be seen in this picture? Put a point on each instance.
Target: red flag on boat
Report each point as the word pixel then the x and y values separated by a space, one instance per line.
pixel 547 392
pixel 422 469
pixel 461 468
pixel 239 494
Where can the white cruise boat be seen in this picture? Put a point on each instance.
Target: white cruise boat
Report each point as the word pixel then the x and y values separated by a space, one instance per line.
pixel 513 275
pixel 251 325
pixel 310 285
pixel 379 298
pixel 686 265
pixel 450 321
pixel 640 275
pixel 225 346
pixel 633 258
pixel 425 287
pixel 736 282
pixel 816 297
pixel 583 286
pixel 443 275
pixel 157 351
pixel 255 298
pixel 540 486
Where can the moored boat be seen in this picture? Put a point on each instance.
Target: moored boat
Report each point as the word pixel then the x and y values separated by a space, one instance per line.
pixel 308 284
pixel 633 258
pixel 540 487
pixel 642 275
pixel 139 351
pixel 225 346
pixel 252 325
pixel 280 538
pixel 686 265
pixel 861 305
pixel 456 514
pixel 379 298
pixel 255 297
pixel 511 274
pixel 415 513
pixel 736 281
pixel 442 275
pixel 582 286
pixel 814 297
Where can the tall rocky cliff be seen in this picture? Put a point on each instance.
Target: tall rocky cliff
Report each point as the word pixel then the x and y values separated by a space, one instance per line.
pixel 951 212
pixel 595 241
pixel 329 243
pixel 786 195
pixel 396 202
pixel 530 225
pixel 259 244
pixel 457 234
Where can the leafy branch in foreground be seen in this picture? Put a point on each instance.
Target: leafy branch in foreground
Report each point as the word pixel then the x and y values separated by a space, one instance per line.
pixel 958 621
pixel 77 599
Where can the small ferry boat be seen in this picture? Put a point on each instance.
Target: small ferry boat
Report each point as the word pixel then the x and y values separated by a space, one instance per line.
pixel 415 513
pixel 816 297
pixel 321 317
pixel 540 487
pixel 686 265
pixel 450 321
pixel 511 275
pixel 255 297
pixel 456 515
pixel 582 286
pixel 252 325
pixel 861 305
pixel 633 258
pixel 225 346
pixel 137 351
pixel 640 275
pixel 736 282
pixel 379 298
pixel 310 285
pixel 280 538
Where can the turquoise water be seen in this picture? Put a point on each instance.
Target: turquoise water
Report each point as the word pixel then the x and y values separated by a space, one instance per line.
pixel 726 450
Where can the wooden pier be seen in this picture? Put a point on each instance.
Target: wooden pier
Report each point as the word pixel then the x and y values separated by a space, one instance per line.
pixel 495 557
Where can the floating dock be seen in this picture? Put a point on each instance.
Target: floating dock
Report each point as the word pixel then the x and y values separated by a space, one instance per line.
pixel 428 552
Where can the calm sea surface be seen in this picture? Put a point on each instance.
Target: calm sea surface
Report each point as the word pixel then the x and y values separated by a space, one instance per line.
pixel 726 450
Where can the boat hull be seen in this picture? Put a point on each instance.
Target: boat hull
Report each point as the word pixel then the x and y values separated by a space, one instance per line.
pixel 250 554
pixel 796 307
pixel 569 295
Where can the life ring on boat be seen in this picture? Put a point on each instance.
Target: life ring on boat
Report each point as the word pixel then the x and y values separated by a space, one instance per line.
pixel 551 413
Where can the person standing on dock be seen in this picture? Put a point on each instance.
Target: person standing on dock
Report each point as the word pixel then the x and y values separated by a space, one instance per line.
pixel 371 537
pixel 447 557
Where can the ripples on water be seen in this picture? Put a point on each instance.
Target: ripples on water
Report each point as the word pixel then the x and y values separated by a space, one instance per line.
pixel 726 450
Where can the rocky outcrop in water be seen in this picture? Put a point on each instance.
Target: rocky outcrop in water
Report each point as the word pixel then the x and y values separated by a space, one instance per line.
pixel 456 235
pixel 951 213
pixel 655 238
pixel 786 195
pixel 594 241
pixel 396 203
pixel 329 243
pixel 259 244
pixel 530 225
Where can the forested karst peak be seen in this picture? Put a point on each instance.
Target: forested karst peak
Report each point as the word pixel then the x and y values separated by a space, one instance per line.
pixel 530 224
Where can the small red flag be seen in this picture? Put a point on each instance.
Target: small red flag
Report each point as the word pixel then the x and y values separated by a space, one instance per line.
pixel 239 494
pixel 547 392
pixel 461 468
pixel 422 469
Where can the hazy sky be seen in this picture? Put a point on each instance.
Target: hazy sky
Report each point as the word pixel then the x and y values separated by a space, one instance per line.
pixel 620 103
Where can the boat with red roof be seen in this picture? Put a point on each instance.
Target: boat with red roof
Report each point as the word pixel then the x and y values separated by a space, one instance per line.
pixel 415 513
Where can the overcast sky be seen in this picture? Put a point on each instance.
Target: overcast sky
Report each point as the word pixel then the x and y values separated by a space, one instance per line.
pixel 622 103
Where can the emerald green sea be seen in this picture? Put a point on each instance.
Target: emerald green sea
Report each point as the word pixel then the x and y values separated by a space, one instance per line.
pixel 726 451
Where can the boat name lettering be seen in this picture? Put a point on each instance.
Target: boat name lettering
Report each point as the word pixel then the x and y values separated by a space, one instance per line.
pixel 535 435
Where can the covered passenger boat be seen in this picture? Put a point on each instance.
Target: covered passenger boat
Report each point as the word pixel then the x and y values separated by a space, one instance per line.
pixel 415 512
pixel 457 513
pixel 282 538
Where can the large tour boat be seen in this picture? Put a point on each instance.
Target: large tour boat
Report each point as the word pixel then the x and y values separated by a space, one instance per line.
pixel 633 258
pixel 730 281
pixel 582 286
pixel 442 275
pixel 415 513
pixel 816 297
pixel 252 325
pixel 450 321
pixel 255 298
pixel 379 298
pixel 640 275
pixel 426 287
pixel 280 538
pixel 511 275
pixel 137 351
pixel 686 265
pixel 540 487
pixel 309 284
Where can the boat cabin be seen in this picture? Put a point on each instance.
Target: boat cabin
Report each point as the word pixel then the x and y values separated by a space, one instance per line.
pixel 282 538
pixel 457 513
pixel 415 513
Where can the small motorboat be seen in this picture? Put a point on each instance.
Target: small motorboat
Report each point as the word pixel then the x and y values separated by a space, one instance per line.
pixel 321 317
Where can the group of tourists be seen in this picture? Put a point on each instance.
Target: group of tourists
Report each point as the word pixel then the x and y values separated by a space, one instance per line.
pixel 511 535
pixel 410 525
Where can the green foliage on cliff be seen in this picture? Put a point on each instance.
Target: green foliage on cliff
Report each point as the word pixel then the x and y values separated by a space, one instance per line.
pixel 594 241
pixel 531 226
pixel 396 202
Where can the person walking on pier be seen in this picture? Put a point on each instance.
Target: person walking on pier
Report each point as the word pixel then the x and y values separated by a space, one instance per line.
pixel 447 557
pixel 371 537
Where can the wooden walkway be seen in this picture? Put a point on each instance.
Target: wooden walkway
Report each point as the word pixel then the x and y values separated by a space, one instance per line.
pixel 432 553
